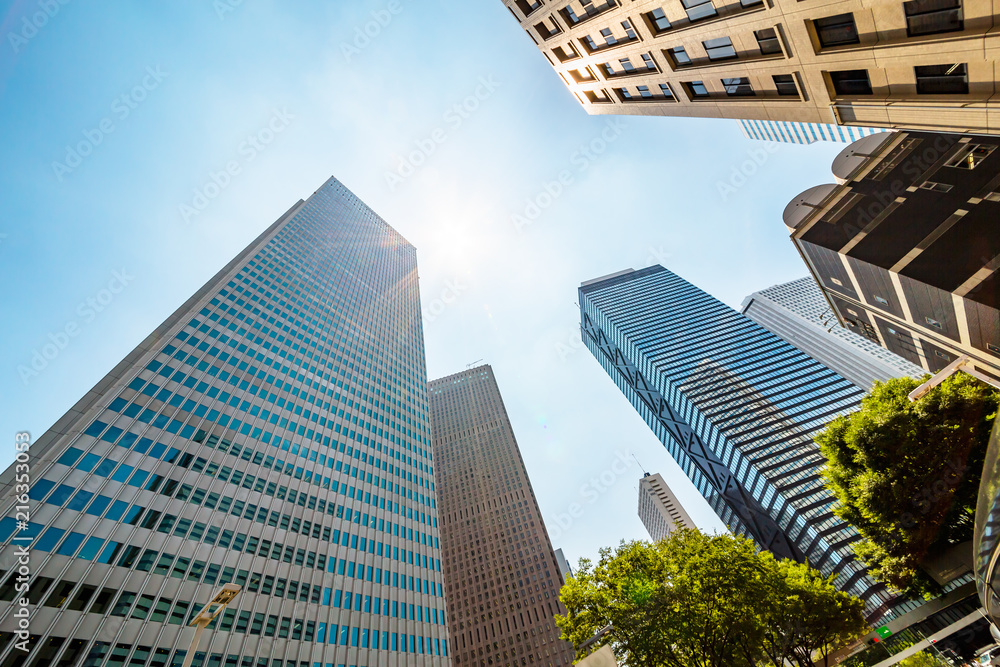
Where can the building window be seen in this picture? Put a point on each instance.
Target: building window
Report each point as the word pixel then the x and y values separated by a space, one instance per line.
pixel 628 30
pixel 836 30
pixel 595 96
pixel 969 156
pixel 720 48
pixel 566 53
pixel 946 357
pixel 696 88
pixel 699 9
pixel 738 87
pixel 627 65
pixel 608 69
pixel 995 349
pixel 624 94
pixel 644 91
pixel 767 40
pixel 851 82
pixel 932 322
pixel 930 17
pixel 942 79
pixel 547 28
pixel 666 92
pixel 648 61
pixel 992 196
pixel 785 83
pixel 936 187
pixel 680 56
pixel 658 20
pixel 609 38
pixel 527 7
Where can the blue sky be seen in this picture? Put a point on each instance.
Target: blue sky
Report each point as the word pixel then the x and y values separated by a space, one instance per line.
pixel 144 147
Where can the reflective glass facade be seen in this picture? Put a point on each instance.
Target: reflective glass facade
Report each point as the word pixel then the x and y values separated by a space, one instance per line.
pixel 274 433
pixel 736 407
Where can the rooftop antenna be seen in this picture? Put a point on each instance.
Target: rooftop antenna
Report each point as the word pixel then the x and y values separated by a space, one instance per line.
pixel 640 465
pixel 468 366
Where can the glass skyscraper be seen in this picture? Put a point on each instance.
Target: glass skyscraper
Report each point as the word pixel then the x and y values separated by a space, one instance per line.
pixel 273 433
pixel 736 406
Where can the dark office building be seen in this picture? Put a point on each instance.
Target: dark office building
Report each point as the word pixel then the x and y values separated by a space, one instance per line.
pixel 907 246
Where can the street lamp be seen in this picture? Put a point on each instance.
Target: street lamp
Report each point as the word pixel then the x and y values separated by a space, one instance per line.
pixel 207 614
pixel 963 363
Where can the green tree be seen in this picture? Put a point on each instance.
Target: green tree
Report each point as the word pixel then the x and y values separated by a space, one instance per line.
pixel 694 600
pixel 807 618
pixel 906 475
pixel 921 659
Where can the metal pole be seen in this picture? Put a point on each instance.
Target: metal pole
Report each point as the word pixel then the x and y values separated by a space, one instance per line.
pixel 194 643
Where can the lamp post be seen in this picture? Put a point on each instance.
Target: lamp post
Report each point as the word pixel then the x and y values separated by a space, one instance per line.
pixel 222 597
pixel 963 363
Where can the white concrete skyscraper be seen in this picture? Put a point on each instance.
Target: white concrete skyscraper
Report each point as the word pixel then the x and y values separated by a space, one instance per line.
pixel 798 312
pixel 659 508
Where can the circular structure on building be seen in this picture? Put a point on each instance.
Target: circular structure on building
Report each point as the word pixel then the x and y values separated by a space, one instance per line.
pixel 855 155
pixel 805 204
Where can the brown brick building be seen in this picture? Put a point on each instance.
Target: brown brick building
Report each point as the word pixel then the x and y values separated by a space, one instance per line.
pixel 501 577
pixel 916 64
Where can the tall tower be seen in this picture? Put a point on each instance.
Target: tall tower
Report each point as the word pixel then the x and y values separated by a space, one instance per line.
pixel 501 575
pixel 736 407
pixel 659 509
pixel 273 432
pixel 798 312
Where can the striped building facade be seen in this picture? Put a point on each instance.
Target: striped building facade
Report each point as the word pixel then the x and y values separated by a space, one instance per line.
pixel 737 407
pixel 792 132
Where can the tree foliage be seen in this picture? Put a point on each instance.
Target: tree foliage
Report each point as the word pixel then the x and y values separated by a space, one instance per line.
pixel 922 659
pixel 906 475
pixel 694 600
